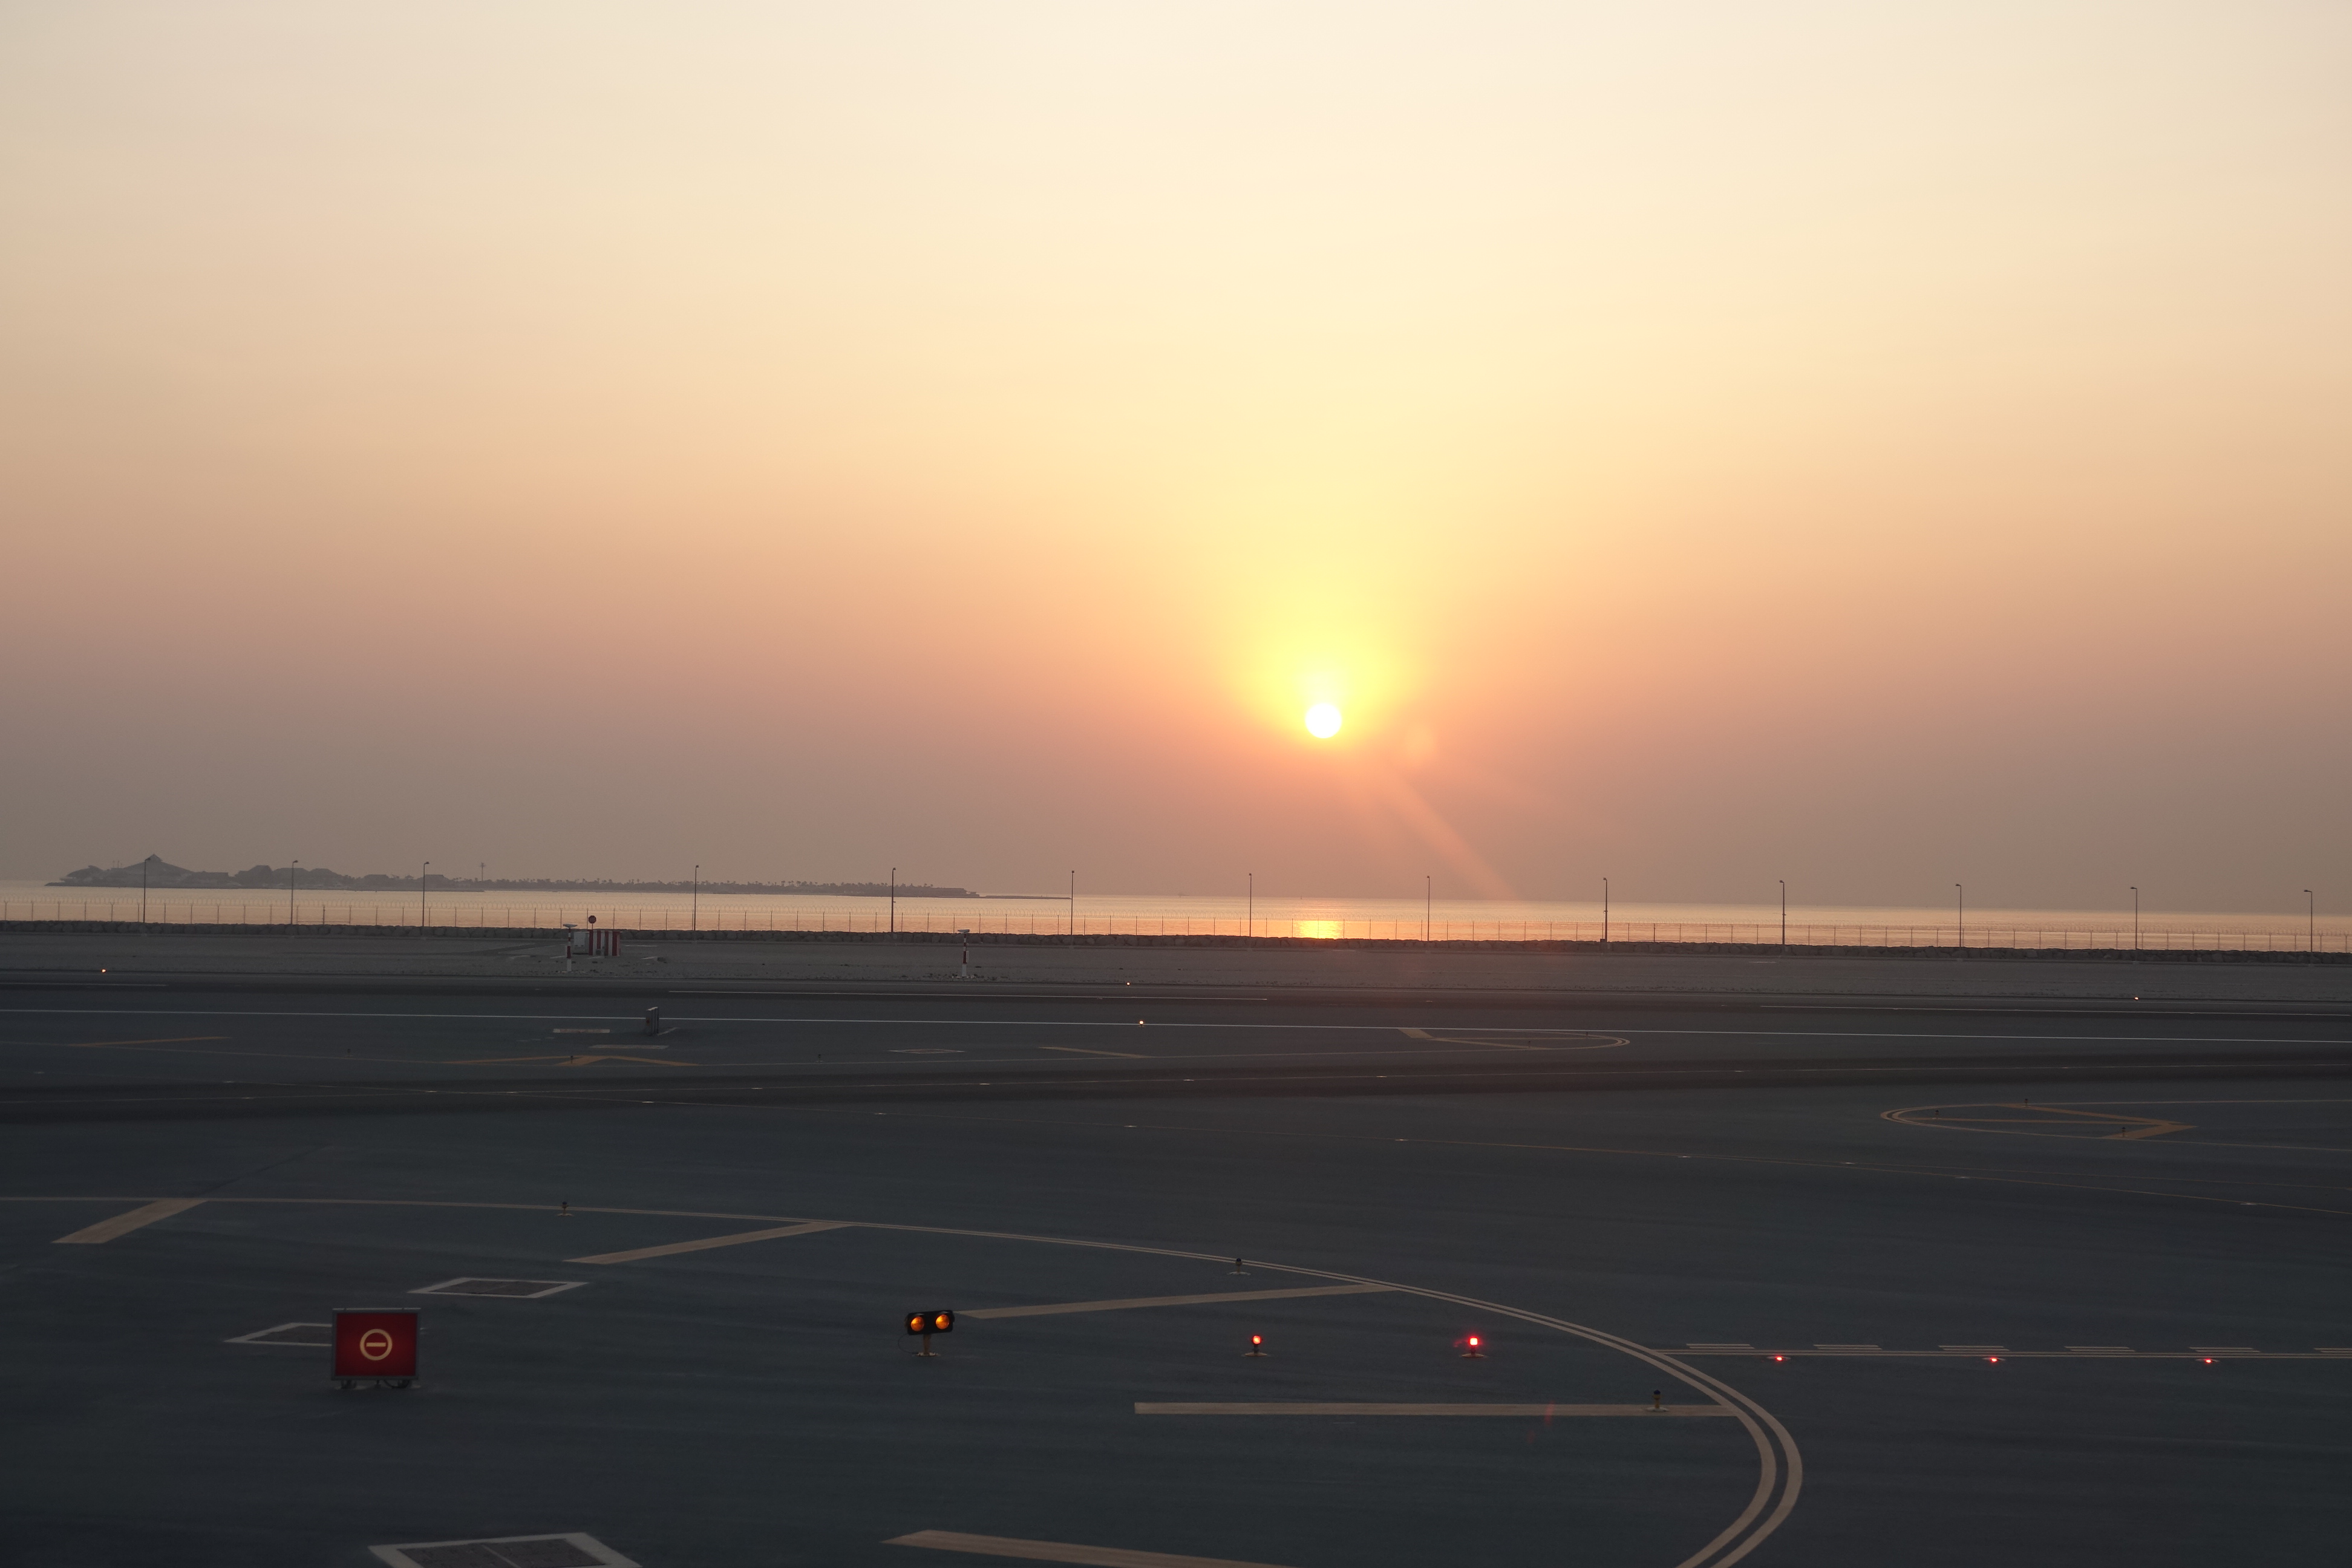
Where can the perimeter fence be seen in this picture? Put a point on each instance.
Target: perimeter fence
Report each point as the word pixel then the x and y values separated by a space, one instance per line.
pixel 458 915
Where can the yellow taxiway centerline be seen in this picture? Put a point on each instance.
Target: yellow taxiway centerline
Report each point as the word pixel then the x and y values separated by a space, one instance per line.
pixel 1060 1552
pixel 106 1230
pixel 1058 1308
pixel 707 1242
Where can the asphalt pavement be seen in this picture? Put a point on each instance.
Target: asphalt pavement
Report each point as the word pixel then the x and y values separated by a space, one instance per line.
pixel 1932 1280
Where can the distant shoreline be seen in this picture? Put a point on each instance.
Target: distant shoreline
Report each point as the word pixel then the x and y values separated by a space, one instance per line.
pixel 159 875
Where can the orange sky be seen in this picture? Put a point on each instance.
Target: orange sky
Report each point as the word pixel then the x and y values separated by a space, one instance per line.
pixel 1696 443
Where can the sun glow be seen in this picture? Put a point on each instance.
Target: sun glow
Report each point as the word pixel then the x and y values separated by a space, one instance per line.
pixel 1323 720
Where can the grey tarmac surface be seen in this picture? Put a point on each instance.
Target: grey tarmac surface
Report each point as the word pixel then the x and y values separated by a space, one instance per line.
pixel 1775 1172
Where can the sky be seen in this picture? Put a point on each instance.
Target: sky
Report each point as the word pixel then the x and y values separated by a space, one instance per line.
pixel 1695 443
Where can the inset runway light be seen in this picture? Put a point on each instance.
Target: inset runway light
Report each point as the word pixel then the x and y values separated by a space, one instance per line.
pixel 1994 1359
pixel 1780 1358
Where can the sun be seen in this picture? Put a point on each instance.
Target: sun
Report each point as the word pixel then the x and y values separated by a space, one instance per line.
pixel 1323 720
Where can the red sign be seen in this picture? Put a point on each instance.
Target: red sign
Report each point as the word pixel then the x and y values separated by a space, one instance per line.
pixel 375 1343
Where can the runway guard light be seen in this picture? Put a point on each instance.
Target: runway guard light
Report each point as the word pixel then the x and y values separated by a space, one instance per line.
pixel 937 1321
pixel 1474 1349
pixel 1257 1345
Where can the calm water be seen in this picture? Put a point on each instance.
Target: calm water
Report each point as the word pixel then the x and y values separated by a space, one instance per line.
pixel 1176 913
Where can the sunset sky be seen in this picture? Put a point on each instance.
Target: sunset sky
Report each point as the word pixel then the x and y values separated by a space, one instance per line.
pixel 1877 445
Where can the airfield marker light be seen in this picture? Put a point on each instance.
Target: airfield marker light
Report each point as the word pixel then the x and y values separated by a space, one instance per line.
pixel 563 1209
pixel 1780 1358
pixel 1474 1352
pixel 937 1321
pixel 2208 1360
pixel 1657 1399
pixel 1993 1360
pixel 1257 1345
pixel 1237 1266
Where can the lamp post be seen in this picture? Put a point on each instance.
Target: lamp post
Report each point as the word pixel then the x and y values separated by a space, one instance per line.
pixel 2135 919
pixel 1961 950
pixel 143 888
pixel 1250 924
pixel 420 870
pixel 1604 912
pixel 1073 906
pixel 894 900
pixel 1784 914
pixel 693 901
pixel 290 871
pixel 2310 922
pixel 1428 903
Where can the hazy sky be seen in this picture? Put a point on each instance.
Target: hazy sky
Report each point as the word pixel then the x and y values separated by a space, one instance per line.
pixel 1699 442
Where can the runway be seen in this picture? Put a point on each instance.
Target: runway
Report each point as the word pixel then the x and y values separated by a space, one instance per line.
pixel 2061 1282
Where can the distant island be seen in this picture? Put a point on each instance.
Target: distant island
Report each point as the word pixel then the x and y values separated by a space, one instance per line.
pixel 159 872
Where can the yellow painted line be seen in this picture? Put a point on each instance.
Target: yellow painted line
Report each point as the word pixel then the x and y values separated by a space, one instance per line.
pixel 1415 1033
pixel 707 1242
pixel 1057 1308
pixel 1060 1552
pixel 106 1230
pixel 167 1041
pixel 1082 1051
pixel 1314 1407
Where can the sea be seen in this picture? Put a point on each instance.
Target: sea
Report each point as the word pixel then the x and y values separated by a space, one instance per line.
pixel 1236 914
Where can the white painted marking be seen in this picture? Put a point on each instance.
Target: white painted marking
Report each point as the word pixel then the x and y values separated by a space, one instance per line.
pixel 1823 1347
pixel 106 1230
pixel 707 1242
pixel 1317 1408
pixel 261 1337
pixel 1060 1552
pixel 1082 1051
pixel 1058 1308
pixel 1986 1348
pixel 2100 1350
pixel 398 1556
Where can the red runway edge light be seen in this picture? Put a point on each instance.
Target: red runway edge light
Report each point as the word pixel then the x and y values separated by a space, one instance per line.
pixel 375 1344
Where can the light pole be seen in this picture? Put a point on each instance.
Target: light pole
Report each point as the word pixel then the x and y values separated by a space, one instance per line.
pixel 1428 903
pixel 2135 919
pixel 290 871
pixel 693 901
pixel 1784 914
pixel 143 888
pixel 420 870
pixel 1604 912
pixel 1962 947
pixel 1251 906
pixel 1073 906
pixel 2310 922
pixel 894 900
